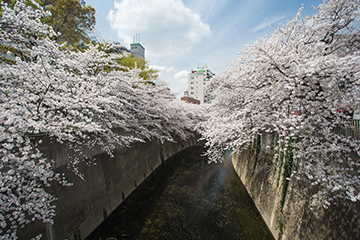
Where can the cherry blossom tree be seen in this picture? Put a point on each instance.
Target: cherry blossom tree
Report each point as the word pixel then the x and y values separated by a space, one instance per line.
pixel 78 98
pixel 301 83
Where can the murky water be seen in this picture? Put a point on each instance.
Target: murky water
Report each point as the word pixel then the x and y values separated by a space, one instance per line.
pixel 187 198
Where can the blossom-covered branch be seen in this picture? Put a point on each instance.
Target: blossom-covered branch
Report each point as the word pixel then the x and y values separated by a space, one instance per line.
pixel 78 98
pixel 301 83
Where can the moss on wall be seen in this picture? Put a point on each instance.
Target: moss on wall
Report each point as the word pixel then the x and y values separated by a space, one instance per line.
pixel 284 202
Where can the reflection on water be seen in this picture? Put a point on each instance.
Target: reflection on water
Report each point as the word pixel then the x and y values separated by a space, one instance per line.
pixel 187 198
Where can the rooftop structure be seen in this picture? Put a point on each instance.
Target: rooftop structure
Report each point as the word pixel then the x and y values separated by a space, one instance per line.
pixel 137 50
pixel 188 99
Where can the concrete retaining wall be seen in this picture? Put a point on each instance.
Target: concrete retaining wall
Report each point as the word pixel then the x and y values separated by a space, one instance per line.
pixel 83 206
pixel 263 178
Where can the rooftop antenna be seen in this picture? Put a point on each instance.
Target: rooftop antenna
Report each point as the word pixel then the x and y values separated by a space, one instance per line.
pixel 136 38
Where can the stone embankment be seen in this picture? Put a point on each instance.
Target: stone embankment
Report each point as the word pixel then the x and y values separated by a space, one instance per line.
pixel 82 207
pixel 284 201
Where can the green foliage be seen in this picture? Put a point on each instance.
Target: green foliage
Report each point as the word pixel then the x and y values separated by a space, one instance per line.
pixel 289 159
pixel 3 51
pixel 281 230
pixel 274 144
pixel 72 19
pixel 280 158
pixel 77 235
pixel 280 168
pixel 125 63
pixel 11 3
pixel 257 145
pixel 27 39
pixel 147 73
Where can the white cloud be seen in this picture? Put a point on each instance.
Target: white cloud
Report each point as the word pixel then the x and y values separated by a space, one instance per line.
pixel 267 22
pixel 167 27
pixel 181 76
pixel 162 68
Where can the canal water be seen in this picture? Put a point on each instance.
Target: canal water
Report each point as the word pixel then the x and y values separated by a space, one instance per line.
pixel 187 198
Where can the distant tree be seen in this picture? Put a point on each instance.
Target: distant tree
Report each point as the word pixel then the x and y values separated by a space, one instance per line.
pixel 126 62
pixel 9 2
pixel 147 73
pixel 299 83
pixel 72 19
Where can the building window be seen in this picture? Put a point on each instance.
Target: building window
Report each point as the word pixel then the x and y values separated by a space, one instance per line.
pixel 192 77
pixel 192 93
pixel 192 87
pixel 192 82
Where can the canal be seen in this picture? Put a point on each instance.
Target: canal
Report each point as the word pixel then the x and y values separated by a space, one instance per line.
pixel 187 198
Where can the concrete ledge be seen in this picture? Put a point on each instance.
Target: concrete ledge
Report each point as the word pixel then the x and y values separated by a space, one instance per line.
pixel 83 206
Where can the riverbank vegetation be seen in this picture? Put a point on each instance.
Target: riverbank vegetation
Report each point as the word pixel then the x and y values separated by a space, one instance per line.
pixel 301 84
pixel 77 97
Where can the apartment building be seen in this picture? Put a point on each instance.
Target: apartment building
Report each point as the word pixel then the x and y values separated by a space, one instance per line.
pixel 197 79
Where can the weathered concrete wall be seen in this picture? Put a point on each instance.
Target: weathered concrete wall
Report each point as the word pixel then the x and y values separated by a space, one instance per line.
pixel 263 178
pixel 83 206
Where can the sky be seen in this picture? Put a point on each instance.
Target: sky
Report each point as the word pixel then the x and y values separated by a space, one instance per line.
pixel 181 35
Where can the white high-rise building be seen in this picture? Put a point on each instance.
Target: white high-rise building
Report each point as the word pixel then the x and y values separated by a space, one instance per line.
pixel 197 78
